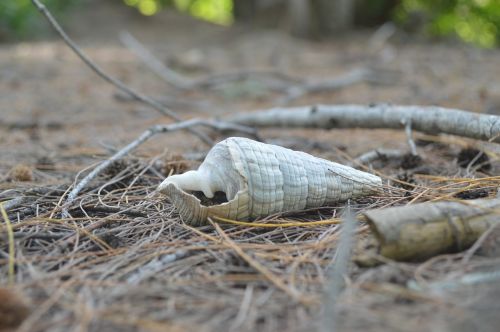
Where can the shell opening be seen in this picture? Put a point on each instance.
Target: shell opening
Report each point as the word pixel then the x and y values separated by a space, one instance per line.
pixel 219 198
pixel 198 184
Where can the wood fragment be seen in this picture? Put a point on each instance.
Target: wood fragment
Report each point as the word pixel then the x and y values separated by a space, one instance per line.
pixel 427 119
pixel 420 231
pixel 379 154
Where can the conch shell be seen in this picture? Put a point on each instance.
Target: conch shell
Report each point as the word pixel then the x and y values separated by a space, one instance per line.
pixel 261 179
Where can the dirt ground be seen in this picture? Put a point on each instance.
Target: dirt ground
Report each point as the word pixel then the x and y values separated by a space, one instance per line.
pixel 58 118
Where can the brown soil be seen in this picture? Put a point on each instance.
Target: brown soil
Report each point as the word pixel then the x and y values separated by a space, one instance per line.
pixel 58 118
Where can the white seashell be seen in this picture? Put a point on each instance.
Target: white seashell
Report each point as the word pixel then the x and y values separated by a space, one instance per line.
pixel 262 179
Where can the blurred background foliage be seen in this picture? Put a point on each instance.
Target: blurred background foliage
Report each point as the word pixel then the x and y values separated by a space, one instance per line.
pixel 215 11
pixel 473 21
pixel 19 19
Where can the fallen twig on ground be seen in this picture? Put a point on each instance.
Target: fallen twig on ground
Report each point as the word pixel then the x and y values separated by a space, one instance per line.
pixel 165 73
pixel 293 88
pixel 427 119
pixel 409 137
pixel 181 82
pixel 14 203
pixel 140 140
pixel 353 77
pixel 378 154
pixel 114 81
pixel 154 266
pixel 170 101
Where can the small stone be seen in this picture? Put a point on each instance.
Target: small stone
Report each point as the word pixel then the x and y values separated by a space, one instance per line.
pixel 21 172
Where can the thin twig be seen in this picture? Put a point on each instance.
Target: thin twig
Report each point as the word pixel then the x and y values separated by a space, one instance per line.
pixel 370 156
pixel 154 266
pixel 181 82
pixel 353 77
pixel 165 73
pixel 114 81
pixel 14 203
pixel 140 140
pixel 475 247
pixel 409 138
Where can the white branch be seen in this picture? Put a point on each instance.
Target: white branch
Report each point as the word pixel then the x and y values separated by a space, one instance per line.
pixel 426 119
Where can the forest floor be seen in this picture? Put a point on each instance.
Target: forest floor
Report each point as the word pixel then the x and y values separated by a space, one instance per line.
pixel 58 119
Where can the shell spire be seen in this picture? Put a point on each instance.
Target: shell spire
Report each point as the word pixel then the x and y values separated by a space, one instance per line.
pixel 260 179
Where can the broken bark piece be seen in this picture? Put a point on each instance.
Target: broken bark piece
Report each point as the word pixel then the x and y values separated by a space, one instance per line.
pixel 420 231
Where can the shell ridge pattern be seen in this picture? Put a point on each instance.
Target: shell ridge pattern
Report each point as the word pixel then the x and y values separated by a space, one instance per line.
pixel 263 177
pixel 316 189
pixel 294 180
pixel 237 156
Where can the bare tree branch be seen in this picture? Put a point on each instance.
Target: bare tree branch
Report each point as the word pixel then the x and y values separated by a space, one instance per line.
pixel 165 73
pixel 373 155
pixel 427 119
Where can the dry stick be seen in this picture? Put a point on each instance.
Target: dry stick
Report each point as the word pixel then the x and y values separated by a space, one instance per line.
pixel 141 139
pixel 14 203
pixel 181 82
pixel 373 155
pixel 165 73
pixel 353 77
pixel 117 83
pixel 427 119
pixel 336 273
pixel 170 101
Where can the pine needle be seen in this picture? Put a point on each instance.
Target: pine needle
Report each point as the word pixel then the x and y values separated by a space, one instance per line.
pixel 285 223
pixel 10 234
